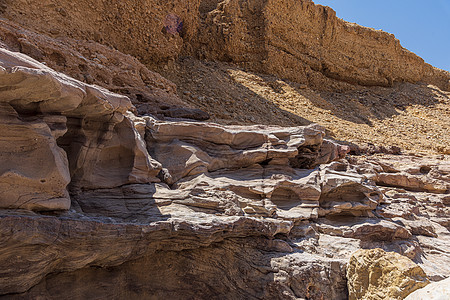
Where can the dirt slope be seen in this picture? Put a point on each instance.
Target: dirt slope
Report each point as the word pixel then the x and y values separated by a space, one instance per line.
pixel 413 117
pixel 268 62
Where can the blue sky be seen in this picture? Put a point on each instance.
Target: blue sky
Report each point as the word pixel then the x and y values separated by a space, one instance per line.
pixel 422 27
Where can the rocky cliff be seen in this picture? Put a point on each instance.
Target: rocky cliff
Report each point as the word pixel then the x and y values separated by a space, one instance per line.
pixel 295 40
pixel 113 186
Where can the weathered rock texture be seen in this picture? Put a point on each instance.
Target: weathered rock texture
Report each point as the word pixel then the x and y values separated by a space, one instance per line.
pixel 381 115
pixel 257 212
pixel 111 192
pixel 376 274
pixel 295 40
pixel 117 187
pixel 435 291
pixel 94 63
pixel 36 104
pixel 307 43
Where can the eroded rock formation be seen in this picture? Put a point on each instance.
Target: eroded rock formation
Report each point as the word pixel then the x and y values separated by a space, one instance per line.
pixel 109 188
pixel 188 199
pixel 38 104
pixel 94 63
pixel 375 274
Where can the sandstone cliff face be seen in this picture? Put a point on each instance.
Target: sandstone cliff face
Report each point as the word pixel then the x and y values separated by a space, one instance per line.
pixel 307 43
pixel 296 40
pixel 264 206
pixel 59 111
pixel 101 150
pixel 116 192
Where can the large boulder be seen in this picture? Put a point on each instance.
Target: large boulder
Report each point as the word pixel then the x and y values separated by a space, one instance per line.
pixel 376 274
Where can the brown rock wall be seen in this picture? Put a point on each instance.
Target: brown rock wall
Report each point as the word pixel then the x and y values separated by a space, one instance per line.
pixel 133 27
pixel 296 40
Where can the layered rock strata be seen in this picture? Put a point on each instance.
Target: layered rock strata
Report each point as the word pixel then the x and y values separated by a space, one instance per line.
pixel 94 63
pixel 259 212
pixel 36 104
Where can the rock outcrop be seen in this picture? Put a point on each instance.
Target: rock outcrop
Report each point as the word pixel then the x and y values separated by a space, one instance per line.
pixel 96 150
pixel 264 35
pixel 110 187
pixel 94 63
pixel 74 133
pixel 277 209
pixel 376 274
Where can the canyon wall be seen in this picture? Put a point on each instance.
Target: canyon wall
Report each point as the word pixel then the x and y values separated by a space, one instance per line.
pixel 295 40
pixel 111 186
pixel 96 201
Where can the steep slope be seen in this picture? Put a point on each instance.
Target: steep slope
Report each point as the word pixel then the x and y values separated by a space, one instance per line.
pixel 414 118
pixel 327 61
pixel 295 40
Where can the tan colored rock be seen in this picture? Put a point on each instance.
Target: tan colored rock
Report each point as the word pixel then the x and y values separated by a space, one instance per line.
pixel 309 276
pixel 263 35
pixel 357 114
pixel 57 131
pixel 188 148
pixel 95 63
pixel 311 49
pixel 369 230
pixel 256 190
pixel 231 170
pixel 413 182
pixel 34 171
pixel 376 274
pixel 434 291
pixel 346 193
pixel 410 173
